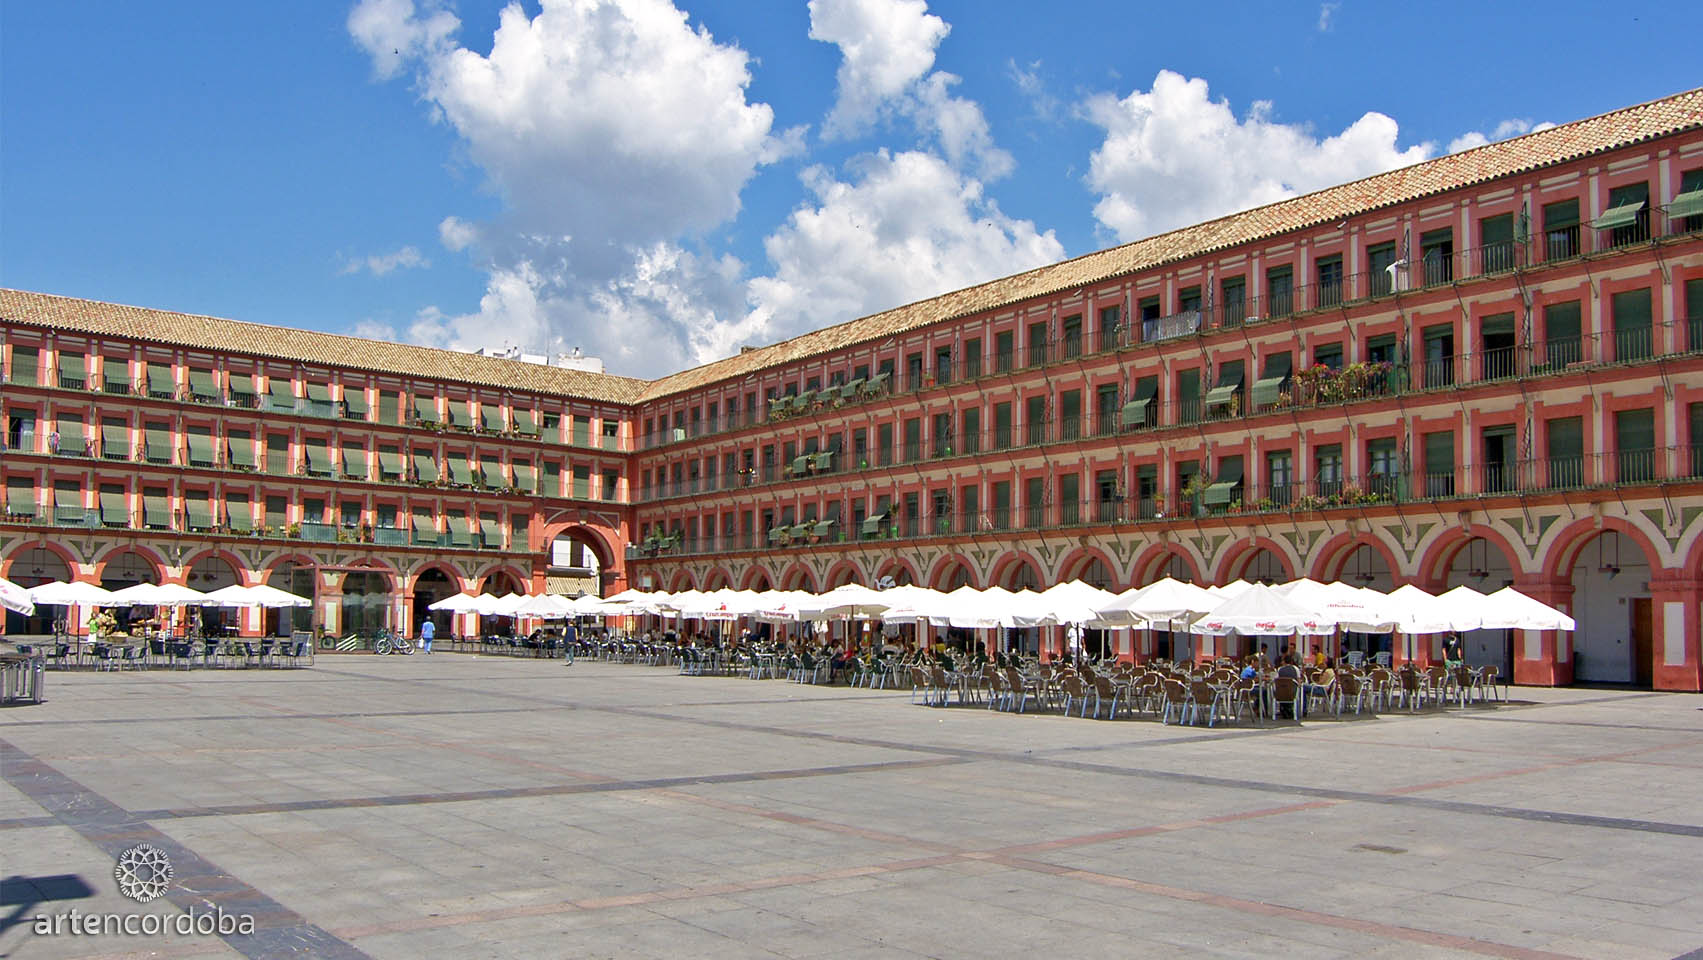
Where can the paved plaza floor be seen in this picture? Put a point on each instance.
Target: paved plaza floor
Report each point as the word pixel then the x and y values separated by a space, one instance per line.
pixel 459 806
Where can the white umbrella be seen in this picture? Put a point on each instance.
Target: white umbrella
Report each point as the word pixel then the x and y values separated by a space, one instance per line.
pixel 849 600
pixel 74 594
pixel 1421 612
pixel 460 603
pixel 502 606
pixel 1262 611
pixel 1467 609
pixel 782 606
pixel 542 606
pixel 1160 602
pixel 1072 602
pixel 1526 613
pixel 158 595
pixel 16 598
pixel 259 595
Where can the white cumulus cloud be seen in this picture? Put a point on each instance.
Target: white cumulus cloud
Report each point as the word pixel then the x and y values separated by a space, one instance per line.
pixel 379 264
pixel 457 234
pixel 1503 130
pixel 1172 156
pixel 1326 12
pixel 907 227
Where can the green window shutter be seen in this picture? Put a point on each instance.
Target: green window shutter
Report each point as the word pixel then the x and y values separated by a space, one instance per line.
pixel 355 461
pixel 20 497
pixel 491 472
pixel 66 496
pixel 115 375
pixel 242 390
pixel 426 467
pixel 1624 215
pixel 1688 204
pixel 115 508
pixel 426 409
pixel 239 514
pixel 25 364
pixel 355 402
pixel 425 528
pixel 318 459
pixel 458 415
pixel 72 441
pixel 73 371
pixel 582 431
pixel 389 406
pixel 281 395
pixel 872 525
pixel 491 417
pixel 525 479
pixel 115 441
pixel 201 447
pixel 161 382
pixel 241 448
pixel 525 423
pixel 199 512
pixel 459 472
pixel 319 392
pixel 159 444
pixel 389 463
pixel 490 532
pixel 1440 452
pixel 460 532
pixel 201 386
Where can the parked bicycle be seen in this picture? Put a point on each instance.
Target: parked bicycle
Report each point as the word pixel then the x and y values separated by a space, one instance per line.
pixel 387 643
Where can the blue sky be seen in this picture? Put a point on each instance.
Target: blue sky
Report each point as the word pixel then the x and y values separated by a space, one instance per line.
pixel 660 183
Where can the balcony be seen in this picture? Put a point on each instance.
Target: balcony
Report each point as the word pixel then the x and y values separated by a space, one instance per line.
pixel 318 532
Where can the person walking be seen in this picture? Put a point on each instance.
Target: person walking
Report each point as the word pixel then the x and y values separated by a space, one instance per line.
pixel 428 631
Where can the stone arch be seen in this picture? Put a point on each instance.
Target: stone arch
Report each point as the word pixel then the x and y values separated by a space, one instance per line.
pixel 1604 585
pixel 298 574
pixel 950 572
pixel 27 553
pixel 125 564
pixel 717 579
pixel 757 578
pixel 607 544
pixel 428 583
pixel 366 598
pixel 842 573
pixel 1018 570
pixel 1257 558
pixel 1335 557
pixel 502 579
pixel 1439 558
pixel 799 577
pixel 681 581
pixel 1165 560
pixel 903 572
pixel 200 573
pixel 456 580
pixel 1090 565
pixel 1575 537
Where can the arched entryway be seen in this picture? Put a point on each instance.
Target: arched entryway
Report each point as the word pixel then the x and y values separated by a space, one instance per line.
pixel 1365 566
pixel 1483 566
pixel 952 576
pixel 32 568
pixel 1263 566
pixel 1095 573
pixel 127 568
pixel 799 578
pixel 500 583
pixel 433 584
pixel 211 573
pixel 364 607
pixel 301 580
pixel 1615 637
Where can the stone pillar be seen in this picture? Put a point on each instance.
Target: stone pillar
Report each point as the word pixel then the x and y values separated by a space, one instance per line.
pixel 1675 647
pixel 1544 658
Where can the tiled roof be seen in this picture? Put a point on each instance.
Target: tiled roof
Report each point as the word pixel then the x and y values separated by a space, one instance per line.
pixel 308 346
pixel 1560 144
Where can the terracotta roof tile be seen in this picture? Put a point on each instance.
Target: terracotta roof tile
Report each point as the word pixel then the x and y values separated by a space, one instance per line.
pixel 1560 144
pixel 308 346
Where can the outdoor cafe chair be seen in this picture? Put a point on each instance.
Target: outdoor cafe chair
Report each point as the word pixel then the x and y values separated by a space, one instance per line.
pixel 1020 688
pixel 921 685
pixel 1351 687
pixel 1413 688
pixel 1288 691
pixel 1076 691
pixel 58 653
pixel 999 689
pixel 132 655
pixel 106 656
pixel 1487 680
pixel 1176 701
pixel 1111 695
pixel 1205 695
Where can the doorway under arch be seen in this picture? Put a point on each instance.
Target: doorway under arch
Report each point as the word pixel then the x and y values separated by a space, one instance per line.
pixel 1615 639
pixel 32 568
pixel 432 585
pixel 301 580
pixel 208 574
pixel 126 569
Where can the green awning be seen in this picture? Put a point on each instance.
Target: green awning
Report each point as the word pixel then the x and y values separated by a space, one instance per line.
pixel 800 465
pixel 1134 413
pixel 525 479
pixel 160 381
pixel 490 533
pixel 355 462
pixel 1266 391
pixel 355 403
pixel 460 535
pixel 115 373
pixel 851 389
pixel 426 409
pixel 823 528
pixel 71 440
pixel 872 525
pixel 1219 396
pixel 66 497
pixel 778 534
pixel 239 515
pixel 199 512
pixel 491 417
pixel 241 448
pixel 458 415
pixel 1686 205
pixel 115 440
pixel 879 381
pixel 319 392
pixel 318 460
pixel 73 368
pixel 491 472
pixel 115 508
pixel 525 423
pixel 1220 493
pixel 201 447
pixel 159 444
pixel 242 388
pixel 155 513
pixel 425 528
pixel 426 467
pixel 201 385
pixel 823 461
pixel 389 463
pixel 1624 215
pixel 281 395
pixel 459 472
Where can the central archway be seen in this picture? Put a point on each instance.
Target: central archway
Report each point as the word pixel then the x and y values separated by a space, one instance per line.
pixel 433 584
pixel 32 568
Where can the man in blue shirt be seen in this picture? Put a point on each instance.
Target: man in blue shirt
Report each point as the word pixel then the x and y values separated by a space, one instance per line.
pixel 428 630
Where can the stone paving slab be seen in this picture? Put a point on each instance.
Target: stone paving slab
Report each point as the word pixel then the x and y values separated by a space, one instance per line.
pixel 487 807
